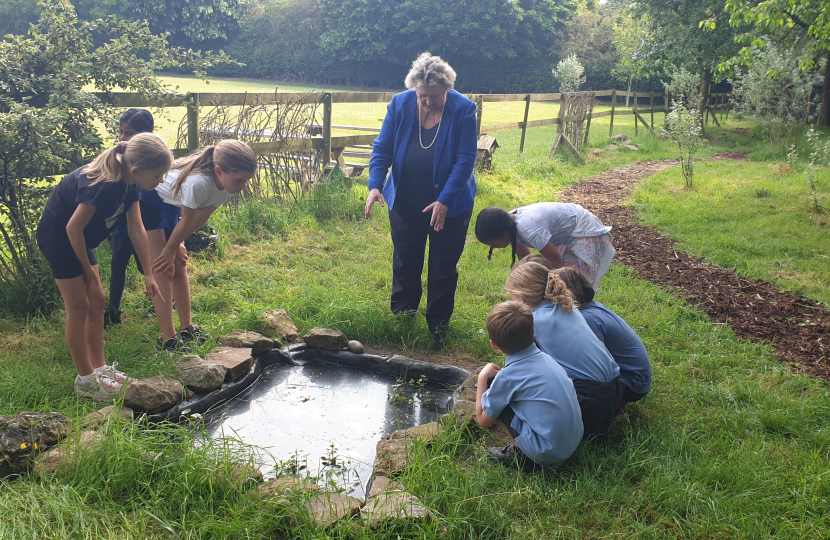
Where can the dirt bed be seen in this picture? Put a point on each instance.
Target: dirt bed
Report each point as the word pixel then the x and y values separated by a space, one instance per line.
pixel 797 327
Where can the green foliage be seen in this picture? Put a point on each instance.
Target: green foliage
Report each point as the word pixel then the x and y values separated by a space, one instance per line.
pixel 191 22
pixel 569 73
pixel 684 129
pixel 684 86
pixel 49 122
pixel 819 158
pixel 590 36
pixel 17 15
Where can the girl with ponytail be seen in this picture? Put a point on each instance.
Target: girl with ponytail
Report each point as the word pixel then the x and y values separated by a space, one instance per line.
pixel 564 233
pixel 562 333
pixel 81 212
pixel 193 189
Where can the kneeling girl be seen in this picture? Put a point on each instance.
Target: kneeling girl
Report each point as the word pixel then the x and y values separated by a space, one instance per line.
pixel 193 189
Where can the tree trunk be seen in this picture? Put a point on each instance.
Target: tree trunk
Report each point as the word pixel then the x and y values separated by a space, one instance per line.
pixel 824 113
pixel 705 80
pixel 630 79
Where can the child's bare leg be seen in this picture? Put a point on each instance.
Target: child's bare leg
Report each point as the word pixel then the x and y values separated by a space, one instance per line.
pixel 95 323
pixel 504 429
pixel 76 306
pixel 181 292
pixel 164 303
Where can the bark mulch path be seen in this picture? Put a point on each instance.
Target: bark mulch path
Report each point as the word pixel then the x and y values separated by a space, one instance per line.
pixel 798 327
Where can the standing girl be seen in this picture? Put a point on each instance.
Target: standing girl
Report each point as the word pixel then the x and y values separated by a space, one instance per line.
pixel 565 233
pixel 562 333
pixel 131 123
pixel 79 215
pixel 194 188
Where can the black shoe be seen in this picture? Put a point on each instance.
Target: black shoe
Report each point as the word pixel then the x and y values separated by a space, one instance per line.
pixel 174 345
pixel 111 316
pixel 404 320
pixel 193 334
pixel 512 457
pixel 439 336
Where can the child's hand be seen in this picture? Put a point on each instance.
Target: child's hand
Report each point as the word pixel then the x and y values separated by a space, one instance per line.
pixel 165 262
pixel 488 372
pixel 91 280
pixel 182 256
pixel 151 288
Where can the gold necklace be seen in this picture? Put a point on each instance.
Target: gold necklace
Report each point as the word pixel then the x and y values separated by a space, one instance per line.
pixel 420 139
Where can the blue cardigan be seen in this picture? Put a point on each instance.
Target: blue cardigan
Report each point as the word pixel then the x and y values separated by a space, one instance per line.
pixel 455 150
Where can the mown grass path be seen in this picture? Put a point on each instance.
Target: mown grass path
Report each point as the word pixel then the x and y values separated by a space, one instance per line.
pixel 754 309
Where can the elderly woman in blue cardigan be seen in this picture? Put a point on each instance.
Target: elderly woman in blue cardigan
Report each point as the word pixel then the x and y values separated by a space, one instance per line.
pixel 428 140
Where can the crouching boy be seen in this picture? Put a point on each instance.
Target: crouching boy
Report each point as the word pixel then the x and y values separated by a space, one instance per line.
pixel 531 399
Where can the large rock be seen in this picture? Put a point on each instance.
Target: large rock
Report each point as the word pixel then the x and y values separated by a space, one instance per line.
pixel 391 456
pixel 25 435
pixel 383 484
pixel 239 474
pixel 283 485
pixel 425 432
pixel 325 338
pixel 620 138
pixel 153 395
pixel 198 375
pixel 470 386
pixel 632 147
pixel 393 506
pixel 277 325
pixel 102 416
pixel 242 339
pixel 356 346
pixel 326 509
pixel 463 413
pixel 65 452
pixel 611 147
pixel 237 361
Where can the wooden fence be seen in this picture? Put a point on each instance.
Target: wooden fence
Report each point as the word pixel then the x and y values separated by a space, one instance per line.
pixel 335 147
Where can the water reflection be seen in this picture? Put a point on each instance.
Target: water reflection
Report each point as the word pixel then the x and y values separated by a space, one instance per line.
pixel 302 410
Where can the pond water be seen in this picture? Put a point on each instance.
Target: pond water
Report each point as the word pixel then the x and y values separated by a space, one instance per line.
pixel 295 413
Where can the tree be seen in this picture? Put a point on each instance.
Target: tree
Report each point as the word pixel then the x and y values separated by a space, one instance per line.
pixel 679 38
pixel 811 18
pixel 49 121
pixel 590 36
pixel 17 15
pixel 569 73
pixel 632 40
pixel 191 22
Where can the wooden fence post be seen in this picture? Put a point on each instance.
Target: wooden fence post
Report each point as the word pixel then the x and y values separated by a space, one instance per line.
pixel 636 131
pixel 524 124
pixel 193 122
pixel 728 106
pixel 326 129
pixel 613 106
pixel 479 112
pixel 560 127
pixel 590 116
pixel 651 103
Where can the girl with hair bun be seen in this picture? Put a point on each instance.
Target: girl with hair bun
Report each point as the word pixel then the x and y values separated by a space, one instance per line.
pixel 565 233
pixel 563 334
pixel 193 189
pixel 80 214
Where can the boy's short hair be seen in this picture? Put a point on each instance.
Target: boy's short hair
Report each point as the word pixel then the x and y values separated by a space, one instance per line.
pixel 510 325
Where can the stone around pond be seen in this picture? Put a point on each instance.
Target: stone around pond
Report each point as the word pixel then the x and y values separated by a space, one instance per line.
pixel 356 347
pixel 25 435
pixel 65 452
pixel 277 325
pixel 153 395
pixel 326 509
pixel 237 361
pixel 246 339
pixel 199 375
pixel 325 338
pixel 102 416
pixel 425 432
pixel 393 506
pixel 463 413
pixel 391 456
pixel 383 484
pixel 283 485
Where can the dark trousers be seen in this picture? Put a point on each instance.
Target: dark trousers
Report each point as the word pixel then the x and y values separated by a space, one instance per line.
pixel 630 396
pixel 599 403
pixel 122 252
pixel 410 230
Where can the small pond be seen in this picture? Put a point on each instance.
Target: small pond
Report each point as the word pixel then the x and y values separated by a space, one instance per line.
pixel 295 413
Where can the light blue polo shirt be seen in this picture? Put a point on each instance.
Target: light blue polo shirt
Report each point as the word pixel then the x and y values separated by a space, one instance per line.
pixel 622 342
pixel 571 342
pixel 547 415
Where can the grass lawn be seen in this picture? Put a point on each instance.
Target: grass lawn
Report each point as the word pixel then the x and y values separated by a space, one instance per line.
pixel 729 443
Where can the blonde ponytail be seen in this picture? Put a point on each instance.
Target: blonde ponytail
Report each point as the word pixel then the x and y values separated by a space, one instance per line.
pixel 145 151
pixel 231 155
pixel 535 283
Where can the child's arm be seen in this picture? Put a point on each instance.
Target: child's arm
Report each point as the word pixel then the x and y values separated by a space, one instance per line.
pixel 484 377
pixel 522 251
pixel 192 220
pixel 550 253
pixel 138 236
pixel 75 231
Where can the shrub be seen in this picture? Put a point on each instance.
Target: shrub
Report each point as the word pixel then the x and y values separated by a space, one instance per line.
pixel 569 72
pixel 684 129
pixel 684 86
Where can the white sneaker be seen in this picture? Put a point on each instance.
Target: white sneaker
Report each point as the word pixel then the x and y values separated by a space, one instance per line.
pixel 99 387
pixel 118 376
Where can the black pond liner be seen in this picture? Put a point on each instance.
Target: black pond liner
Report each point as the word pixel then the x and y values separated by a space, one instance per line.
pixel 302 399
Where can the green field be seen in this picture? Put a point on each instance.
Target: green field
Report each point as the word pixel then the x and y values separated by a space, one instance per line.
pixel 728 444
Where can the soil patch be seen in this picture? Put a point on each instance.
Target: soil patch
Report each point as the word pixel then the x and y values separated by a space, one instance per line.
pixel 464 361
pixel 797 327
pixel 743 132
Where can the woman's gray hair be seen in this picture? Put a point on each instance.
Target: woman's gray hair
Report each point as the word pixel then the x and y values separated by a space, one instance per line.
pixel 428 70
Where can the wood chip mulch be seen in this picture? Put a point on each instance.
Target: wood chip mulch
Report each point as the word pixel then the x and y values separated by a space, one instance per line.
pixel 798 328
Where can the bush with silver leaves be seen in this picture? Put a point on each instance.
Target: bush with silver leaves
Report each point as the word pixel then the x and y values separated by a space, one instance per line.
pixel 684 129
pixel 570 74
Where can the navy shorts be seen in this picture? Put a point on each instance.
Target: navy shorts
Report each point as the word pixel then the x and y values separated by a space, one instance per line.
pixel 157 214
pixel 57 249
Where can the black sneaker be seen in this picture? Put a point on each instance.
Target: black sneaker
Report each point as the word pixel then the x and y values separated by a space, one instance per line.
pixel 174 345
pixel 192 334
pixel 111 316
pixel 439 336
pixel 512 457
